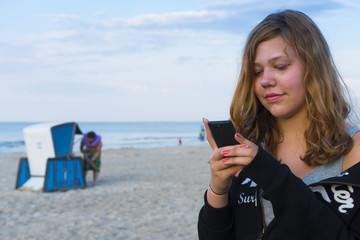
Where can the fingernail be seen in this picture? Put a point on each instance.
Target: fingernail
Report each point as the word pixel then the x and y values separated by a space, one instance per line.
pixel 244 146
pixel 239 136
pixel 225 160
pixel 225 152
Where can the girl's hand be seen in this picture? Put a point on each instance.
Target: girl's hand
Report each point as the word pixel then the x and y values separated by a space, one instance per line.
pixel 240 155
pixel 229 160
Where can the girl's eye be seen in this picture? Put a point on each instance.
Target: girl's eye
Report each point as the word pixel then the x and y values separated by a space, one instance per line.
pixel 257 73
pixel 282 67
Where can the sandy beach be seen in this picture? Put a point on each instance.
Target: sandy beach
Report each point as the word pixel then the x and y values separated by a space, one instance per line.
pixel 141 194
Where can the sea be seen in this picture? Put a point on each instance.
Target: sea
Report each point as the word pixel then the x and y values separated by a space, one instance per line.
pixel 115 135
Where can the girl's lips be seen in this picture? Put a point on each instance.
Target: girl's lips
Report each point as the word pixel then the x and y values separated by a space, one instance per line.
pixel 273 97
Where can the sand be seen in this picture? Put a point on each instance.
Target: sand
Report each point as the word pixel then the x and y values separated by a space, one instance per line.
pixel 141 194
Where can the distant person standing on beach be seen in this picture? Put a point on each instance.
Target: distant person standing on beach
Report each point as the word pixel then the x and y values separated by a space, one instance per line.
pixel 202 134
pixel 91 148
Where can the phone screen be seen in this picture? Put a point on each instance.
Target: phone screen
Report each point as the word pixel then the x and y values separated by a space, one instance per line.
pixel 223 133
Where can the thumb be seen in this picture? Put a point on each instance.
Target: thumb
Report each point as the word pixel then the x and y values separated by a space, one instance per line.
pixel 209 136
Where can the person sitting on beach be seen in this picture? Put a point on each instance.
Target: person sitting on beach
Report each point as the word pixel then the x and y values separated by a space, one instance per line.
pixel 295 173
pixel 91 148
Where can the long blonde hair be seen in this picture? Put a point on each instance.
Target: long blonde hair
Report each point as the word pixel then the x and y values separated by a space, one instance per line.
pixel 327 109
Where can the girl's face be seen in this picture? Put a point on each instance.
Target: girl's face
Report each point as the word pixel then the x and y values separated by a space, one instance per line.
pixel 279 75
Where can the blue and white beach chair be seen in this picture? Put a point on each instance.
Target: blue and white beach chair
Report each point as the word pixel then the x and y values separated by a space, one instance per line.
pixel 50 164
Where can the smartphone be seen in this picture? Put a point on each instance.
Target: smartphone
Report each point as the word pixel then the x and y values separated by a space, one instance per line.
pixel 223 133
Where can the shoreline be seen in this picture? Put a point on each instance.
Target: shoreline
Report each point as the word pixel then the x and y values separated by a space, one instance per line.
pixel 142 193
pixel 77 152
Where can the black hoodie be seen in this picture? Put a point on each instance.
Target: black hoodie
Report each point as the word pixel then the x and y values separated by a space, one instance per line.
pixel 325 210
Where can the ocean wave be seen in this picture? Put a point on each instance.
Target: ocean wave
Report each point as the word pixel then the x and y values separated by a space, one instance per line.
pixel 151 138
pixel 12 144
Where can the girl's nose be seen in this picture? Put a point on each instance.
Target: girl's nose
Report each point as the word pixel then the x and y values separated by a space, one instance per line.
pixel 267 79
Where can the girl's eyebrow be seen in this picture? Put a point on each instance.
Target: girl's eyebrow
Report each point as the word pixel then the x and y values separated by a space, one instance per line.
pixel 271 60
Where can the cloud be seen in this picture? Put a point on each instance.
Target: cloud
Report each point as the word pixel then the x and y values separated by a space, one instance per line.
pixel 256 5
pixel 85 40
pixel 231 16
pixel 151 30
pixel 47 37
pixel 348 3
pixel 64 17
pixel 173 19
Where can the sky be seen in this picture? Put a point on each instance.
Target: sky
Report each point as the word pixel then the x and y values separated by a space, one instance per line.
pixel 144 60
